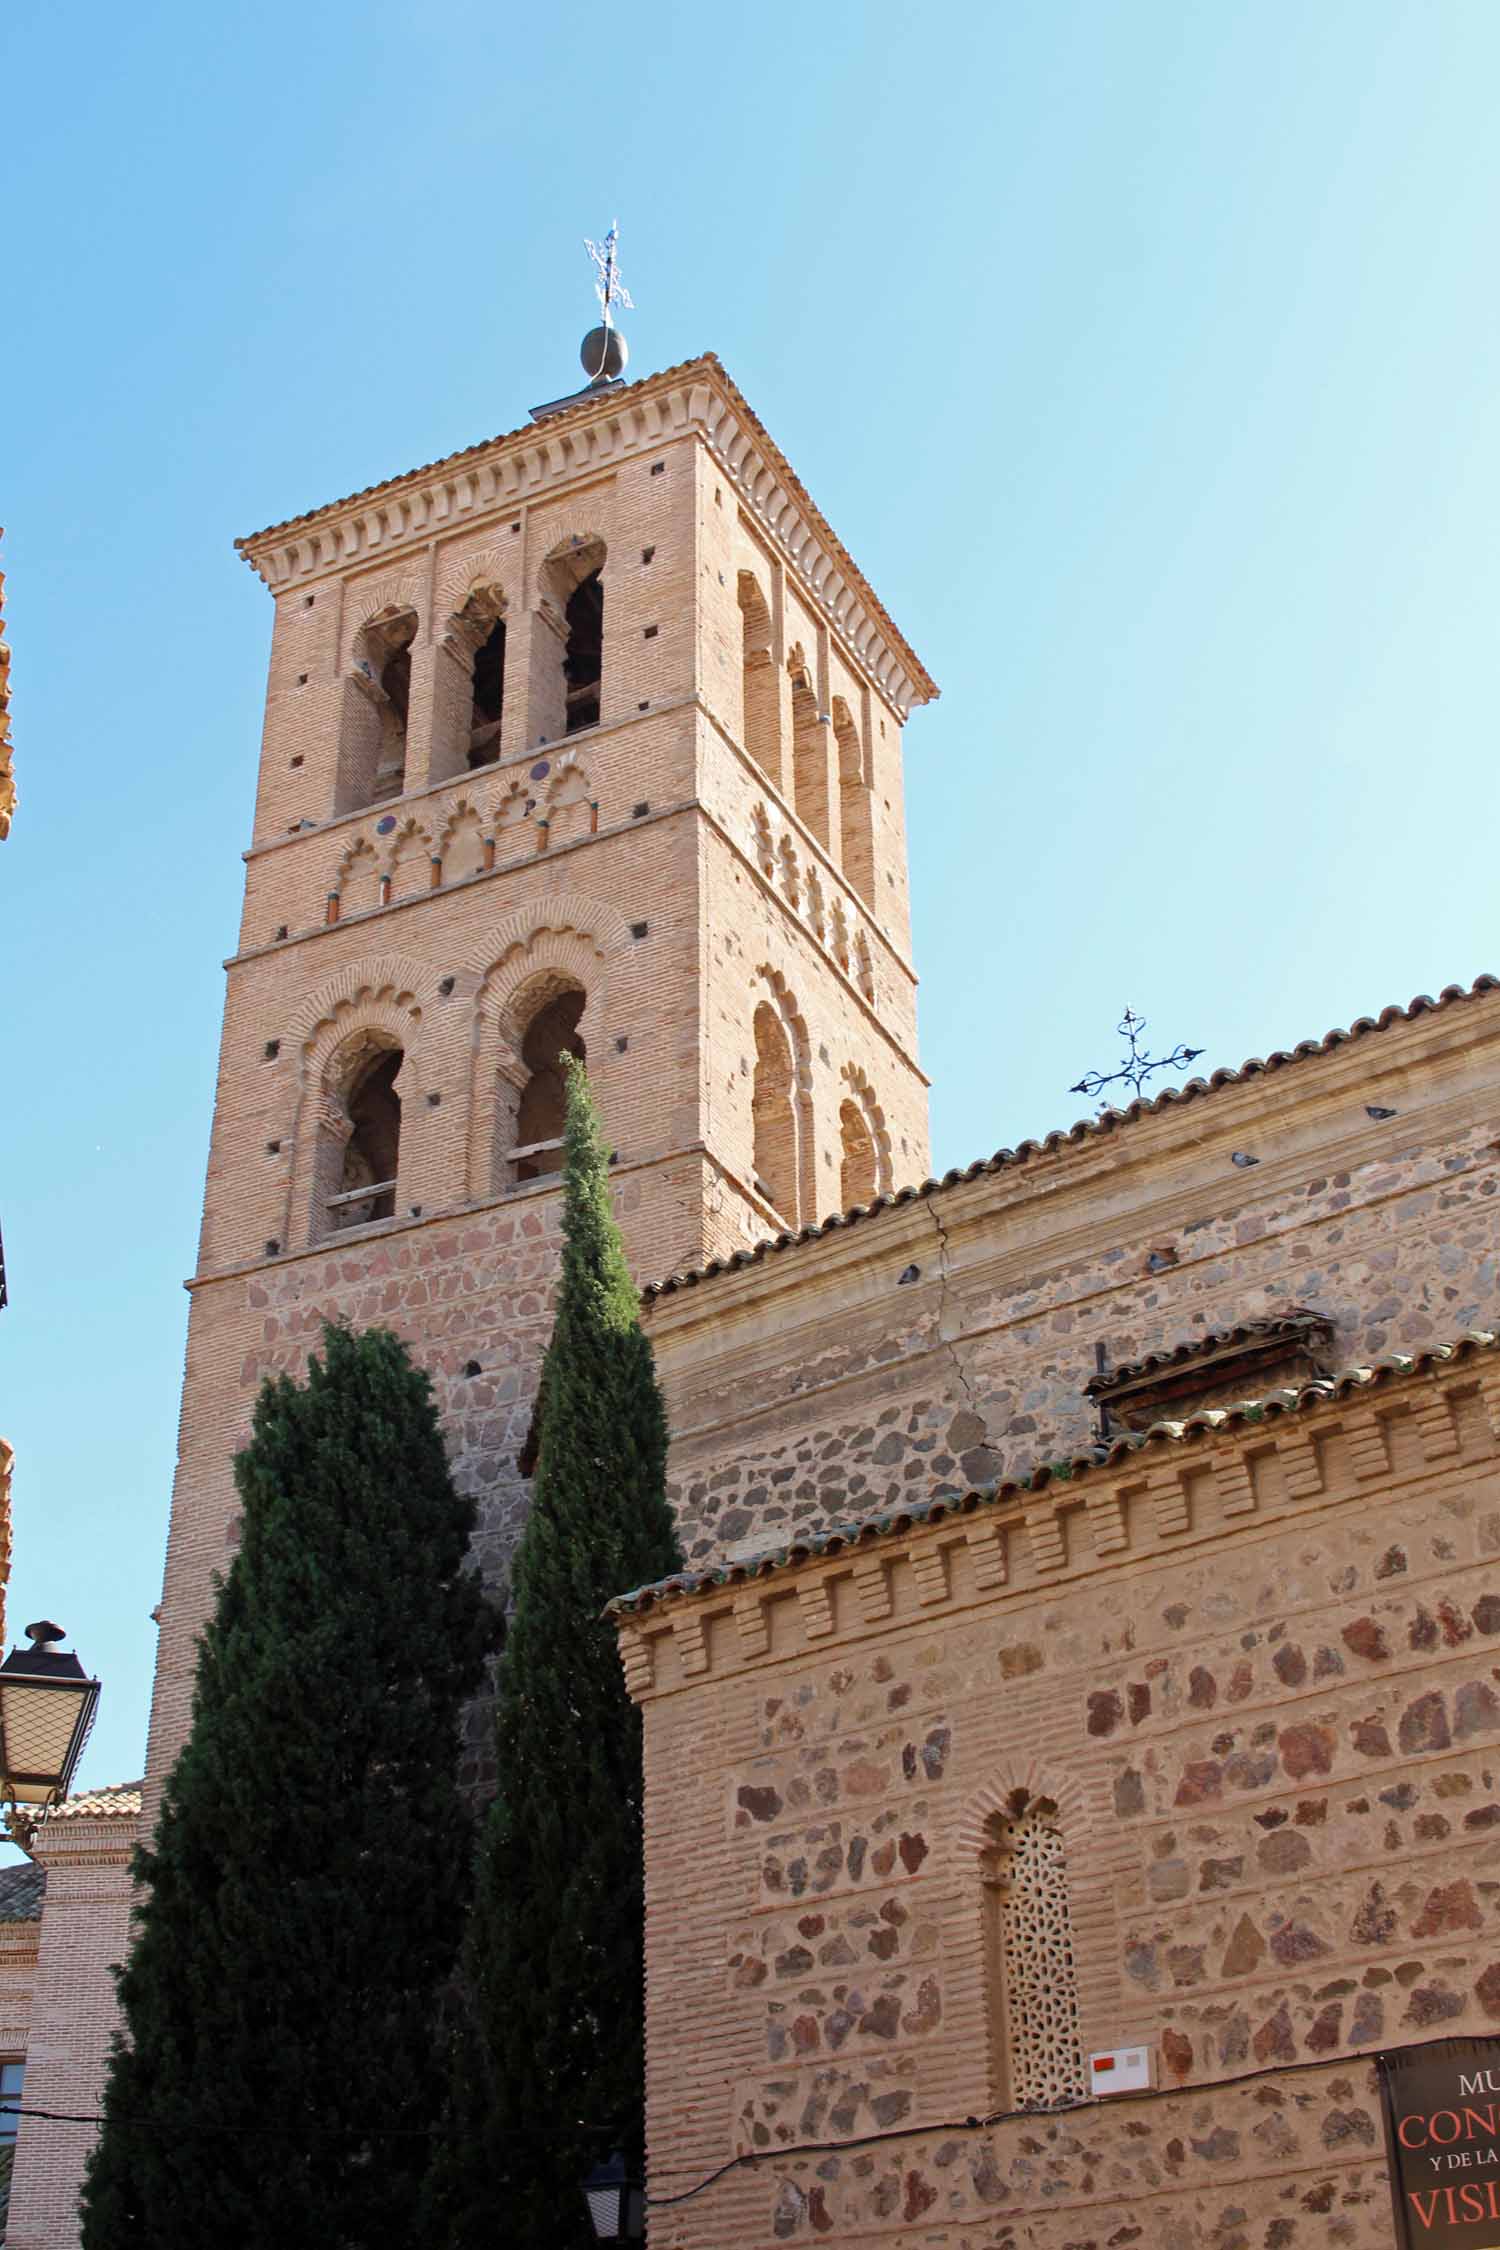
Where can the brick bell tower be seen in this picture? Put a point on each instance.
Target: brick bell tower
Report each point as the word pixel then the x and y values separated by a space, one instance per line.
pixel 588 737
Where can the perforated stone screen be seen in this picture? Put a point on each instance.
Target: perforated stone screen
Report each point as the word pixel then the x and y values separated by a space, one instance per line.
pixel 1027 1870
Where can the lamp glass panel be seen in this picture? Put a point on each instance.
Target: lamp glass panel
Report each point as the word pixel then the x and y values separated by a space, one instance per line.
pixel 604 2210
pixel 38 1729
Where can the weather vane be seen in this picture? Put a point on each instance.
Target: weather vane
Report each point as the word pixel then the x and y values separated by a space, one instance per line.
pixel 608 287
pixel 1137 1066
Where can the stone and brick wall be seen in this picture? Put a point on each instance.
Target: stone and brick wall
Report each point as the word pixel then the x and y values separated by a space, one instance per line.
pixel 84 1847
pixel 1252 1667
pixel 948 1340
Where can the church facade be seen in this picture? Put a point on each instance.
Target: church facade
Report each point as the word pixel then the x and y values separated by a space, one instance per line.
pixel 591 738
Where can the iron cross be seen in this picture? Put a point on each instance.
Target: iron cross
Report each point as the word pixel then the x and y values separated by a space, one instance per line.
pixel 1136 1067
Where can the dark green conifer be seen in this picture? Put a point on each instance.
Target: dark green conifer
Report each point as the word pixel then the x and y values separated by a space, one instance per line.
pixel 550 2070
pixel 302 1904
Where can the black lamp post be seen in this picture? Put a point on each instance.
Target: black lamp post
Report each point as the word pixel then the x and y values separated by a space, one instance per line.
pixel 47 1705
pixel 617 2204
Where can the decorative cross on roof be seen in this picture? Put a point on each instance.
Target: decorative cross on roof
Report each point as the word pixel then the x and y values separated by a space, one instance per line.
pixel 608 287
pixel 1136 1067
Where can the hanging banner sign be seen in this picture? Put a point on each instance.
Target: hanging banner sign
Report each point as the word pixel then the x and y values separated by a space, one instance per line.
pixel 1442 2129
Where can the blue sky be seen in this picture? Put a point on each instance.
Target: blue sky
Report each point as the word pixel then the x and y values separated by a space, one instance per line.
pixel 1143 355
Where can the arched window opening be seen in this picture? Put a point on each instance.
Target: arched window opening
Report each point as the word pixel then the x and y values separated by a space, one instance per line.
pixel 372 749
pixel 1032 1968
pixel 468 688
pixel 774 1115
pixel 762 700
pixel 809 754
pixel 567 681
pixel 583 658
pixel 488 705
pixel 858 1177
pixel 541 1110
pixel 371 1151
pixel 856 823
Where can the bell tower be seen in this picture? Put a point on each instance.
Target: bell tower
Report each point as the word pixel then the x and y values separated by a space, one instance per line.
pixel 587 737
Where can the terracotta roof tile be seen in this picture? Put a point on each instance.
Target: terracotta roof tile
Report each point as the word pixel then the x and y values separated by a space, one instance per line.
pixel 1289 1327
pixel 21 1889
pixel 120 1801
pixel 865 1530
pixel 1086 1130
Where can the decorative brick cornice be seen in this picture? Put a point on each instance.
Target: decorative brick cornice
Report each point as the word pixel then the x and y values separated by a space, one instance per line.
pixel 696 398
pixel 1176 1482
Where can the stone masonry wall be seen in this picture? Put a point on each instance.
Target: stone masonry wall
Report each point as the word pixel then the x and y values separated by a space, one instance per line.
pixel 946 1342
pixel 1254 1670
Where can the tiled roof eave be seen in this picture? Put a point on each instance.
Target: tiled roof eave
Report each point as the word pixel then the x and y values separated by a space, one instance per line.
pixel 708 364
pixel 1284 1330
pixel 1087 1132
pixel 1208 1422
pixel 121 1801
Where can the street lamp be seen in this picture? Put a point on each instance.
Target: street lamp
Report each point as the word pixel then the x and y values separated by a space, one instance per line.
pixel 47 1705
pixel 617 2204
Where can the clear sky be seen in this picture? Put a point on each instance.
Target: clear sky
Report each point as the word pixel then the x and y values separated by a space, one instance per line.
pixel 1143 353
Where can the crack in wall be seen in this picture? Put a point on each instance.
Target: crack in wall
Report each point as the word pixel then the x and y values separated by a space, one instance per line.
pixel 947 1342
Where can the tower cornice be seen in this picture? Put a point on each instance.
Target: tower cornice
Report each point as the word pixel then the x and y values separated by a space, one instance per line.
pixel 407 512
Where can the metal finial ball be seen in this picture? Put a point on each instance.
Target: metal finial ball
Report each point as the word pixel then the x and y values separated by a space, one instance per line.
pixel 603 354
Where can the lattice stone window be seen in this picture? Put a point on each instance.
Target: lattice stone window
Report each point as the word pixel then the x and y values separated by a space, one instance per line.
pixel 1026 1874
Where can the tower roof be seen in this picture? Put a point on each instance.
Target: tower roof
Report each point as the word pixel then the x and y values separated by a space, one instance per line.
pixel 408 510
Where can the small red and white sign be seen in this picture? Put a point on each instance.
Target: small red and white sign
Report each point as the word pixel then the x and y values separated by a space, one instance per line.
pixel 1120 2070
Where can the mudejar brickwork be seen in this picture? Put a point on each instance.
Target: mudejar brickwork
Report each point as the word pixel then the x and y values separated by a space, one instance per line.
pixel 1030 1693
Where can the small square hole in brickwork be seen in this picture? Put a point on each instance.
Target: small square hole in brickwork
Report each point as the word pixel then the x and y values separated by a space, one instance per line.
pixel 308 600
pixel 515 527
pixel 445 989
pixel 648 554
pixel 651 632
pixel 301 679
pixel 718 497
pixel 273 1148
pixel 273 1248
pixel 644 706
pixel 657 468
pixel 296 762
pixel 622 1046
pixel 273 1049
pixel 472 1367
pixel 433 1100
pixel 639 929
pixel 281 929
pixel 640 812
pixel 415 1210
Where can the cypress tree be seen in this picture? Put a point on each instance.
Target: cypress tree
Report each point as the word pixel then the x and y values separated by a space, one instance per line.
pixel 549 2072
pixel 301 1906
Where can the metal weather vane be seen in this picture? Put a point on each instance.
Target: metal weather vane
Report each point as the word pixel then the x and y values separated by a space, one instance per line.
pixel 1137 1066
pixel 608 287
